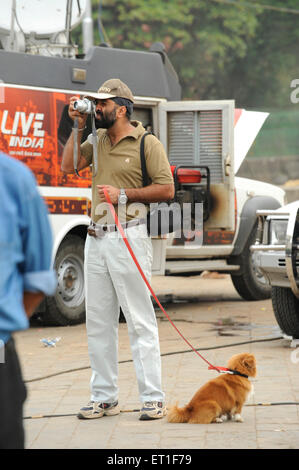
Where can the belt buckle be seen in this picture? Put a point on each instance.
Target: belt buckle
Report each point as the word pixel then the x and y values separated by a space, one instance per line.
pixel 91 231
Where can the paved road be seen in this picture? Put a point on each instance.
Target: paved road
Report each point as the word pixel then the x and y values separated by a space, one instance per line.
pixel 210 313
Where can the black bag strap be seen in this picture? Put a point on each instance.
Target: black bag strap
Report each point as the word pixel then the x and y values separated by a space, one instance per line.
pixel 145 178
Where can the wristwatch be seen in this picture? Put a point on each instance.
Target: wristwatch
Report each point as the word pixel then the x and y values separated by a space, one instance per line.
pixel 122 198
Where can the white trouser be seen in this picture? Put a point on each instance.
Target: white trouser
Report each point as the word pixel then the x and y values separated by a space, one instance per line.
pixel 112 280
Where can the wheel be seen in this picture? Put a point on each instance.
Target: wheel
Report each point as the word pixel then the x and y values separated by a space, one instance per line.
pixel 67 306
pixel 250 283
pixel 286 310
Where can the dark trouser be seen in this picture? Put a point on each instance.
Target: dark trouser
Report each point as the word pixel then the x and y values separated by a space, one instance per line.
pixel 12 397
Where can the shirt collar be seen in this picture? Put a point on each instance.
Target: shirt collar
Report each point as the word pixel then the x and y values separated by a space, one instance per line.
pixel 139 129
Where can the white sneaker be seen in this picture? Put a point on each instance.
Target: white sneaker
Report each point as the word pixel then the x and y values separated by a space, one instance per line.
pixel 152 410
pixel 95 409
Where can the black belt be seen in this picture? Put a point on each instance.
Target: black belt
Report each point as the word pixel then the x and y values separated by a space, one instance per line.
pixel 97 230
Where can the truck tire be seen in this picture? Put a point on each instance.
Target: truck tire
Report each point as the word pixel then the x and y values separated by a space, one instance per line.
pixel 67 306
pixel 249 281
pixel 286 310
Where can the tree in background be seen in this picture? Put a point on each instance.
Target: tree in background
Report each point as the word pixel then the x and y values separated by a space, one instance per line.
pixel 221 49
pixel 202 38
pixel 272 58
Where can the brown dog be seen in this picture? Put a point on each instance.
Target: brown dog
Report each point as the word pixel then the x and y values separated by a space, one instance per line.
pixel 220 398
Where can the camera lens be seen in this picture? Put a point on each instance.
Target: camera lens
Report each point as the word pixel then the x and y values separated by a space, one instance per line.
pixel 84 106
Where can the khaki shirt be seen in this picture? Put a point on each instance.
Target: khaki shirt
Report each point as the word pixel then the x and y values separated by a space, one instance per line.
pixel 119 166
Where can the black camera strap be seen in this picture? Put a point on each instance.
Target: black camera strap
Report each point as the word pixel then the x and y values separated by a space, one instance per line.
pixel 94 146
pixel 75 156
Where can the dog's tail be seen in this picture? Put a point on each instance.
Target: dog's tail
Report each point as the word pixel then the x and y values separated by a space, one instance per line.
pixel 178 415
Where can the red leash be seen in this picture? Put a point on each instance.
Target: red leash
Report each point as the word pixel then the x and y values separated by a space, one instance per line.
pixel 121 230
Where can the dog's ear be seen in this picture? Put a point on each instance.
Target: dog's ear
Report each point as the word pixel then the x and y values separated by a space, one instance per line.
pixel 249 362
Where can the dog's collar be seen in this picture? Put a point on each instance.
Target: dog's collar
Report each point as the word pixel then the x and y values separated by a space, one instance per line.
pixel 235 372
pixel 230 371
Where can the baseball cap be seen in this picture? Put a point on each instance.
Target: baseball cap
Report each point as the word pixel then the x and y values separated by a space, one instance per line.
pixel 112 88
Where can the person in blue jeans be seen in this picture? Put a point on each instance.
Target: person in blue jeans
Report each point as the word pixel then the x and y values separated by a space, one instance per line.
pixel 26 275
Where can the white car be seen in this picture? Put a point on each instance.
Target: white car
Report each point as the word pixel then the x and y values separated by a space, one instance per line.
pixel 276 254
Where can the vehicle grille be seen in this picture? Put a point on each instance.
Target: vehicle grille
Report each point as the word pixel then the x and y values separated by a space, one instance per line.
pixel 195 138
pixel 282 262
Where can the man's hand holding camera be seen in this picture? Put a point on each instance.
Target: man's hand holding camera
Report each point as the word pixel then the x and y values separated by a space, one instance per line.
pixel 73 113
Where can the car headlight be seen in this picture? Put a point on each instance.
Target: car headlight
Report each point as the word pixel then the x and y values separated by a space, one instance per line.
pixel 278 231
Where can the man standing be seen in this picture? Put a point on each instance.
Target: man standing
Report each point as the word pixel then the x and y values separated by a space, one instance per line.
pixel 26 276
pixel 111 277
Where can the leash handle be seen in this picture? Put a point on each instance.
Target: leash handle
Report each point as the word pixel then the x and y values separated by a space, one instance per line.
pixel 121 230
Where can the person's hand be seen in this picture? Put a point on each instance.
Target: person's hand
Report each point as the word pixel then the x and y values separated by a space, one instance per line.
pixel 111 190
pixel 75 114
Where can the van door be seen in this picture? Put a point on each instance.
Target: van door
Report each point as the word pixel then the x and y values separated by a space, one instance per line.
pixel 202 133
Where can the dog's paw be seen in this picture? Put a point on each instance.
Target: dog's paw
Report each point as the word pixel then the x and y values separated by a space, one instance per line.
pixel 224 417
pixel 219 420
pixel 238 418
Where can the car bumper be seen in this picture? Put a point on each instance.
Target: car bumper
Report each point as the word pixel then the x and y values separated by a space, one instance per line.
pixel 273 266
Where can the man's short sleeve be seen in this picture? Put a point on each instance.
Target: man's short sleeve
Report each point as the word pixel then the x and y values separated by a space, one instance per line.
pixel 157 164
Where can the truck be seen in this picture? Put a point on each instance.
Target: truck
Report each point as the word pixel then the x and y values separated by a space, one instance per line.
pixel 40 71
pixel 276 253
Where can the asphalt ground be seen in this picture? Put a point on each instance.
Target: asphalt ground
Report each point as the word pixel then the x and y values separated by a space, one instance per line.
pixel 213 317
